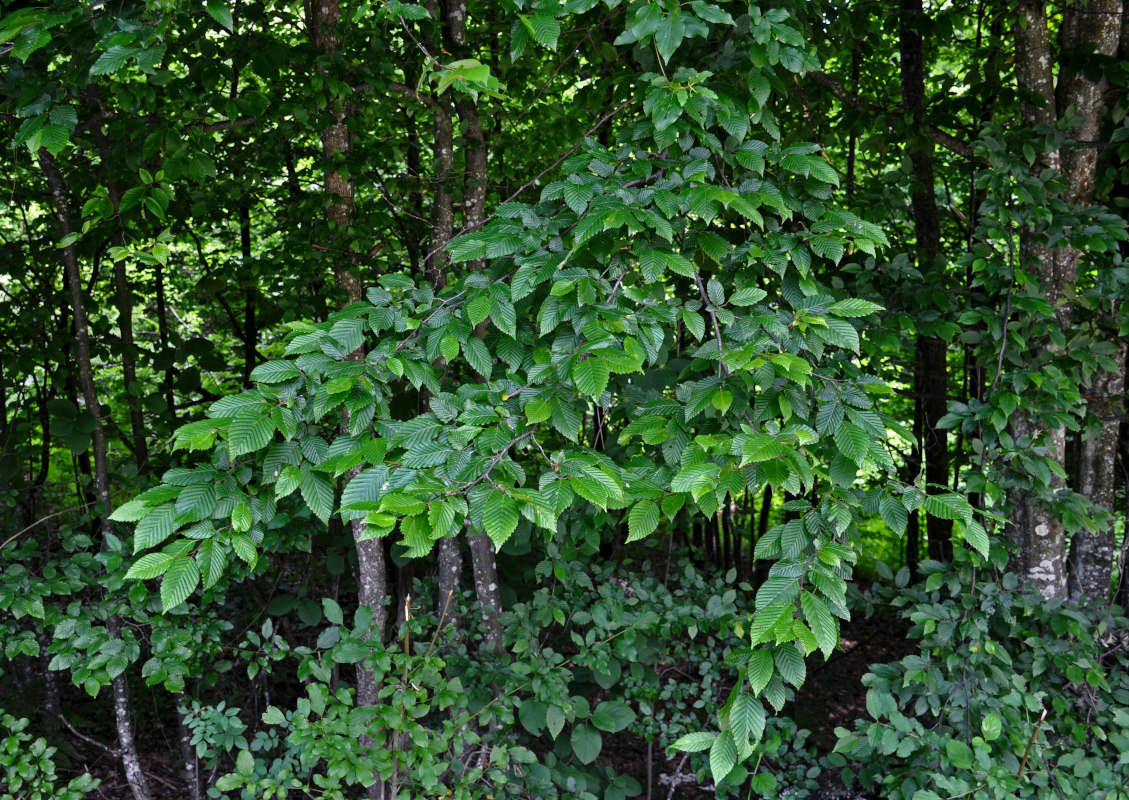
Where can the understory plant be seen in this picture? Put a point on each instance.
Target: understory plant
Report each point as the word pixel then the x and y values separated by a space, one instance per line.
pixel 1010 695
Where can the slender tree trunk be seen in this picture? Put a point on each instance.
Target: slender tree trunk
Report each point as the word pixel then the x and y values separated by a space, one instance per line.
pixel 1095 27
pixel 124 300
pixel 130 761
pixel 372 577
pixel 163 338
pixel 931 352
pixel 188 753
pixel 485 567
pixel 450 574
pixel 250 326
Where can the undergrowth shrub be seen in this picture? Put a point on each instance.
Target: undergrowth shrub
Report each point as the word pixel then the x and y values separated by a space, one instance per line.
pixel 1011 695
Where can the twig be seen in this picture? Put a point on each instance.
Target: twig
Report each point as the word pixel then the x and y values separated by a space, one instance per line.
pixel 677 772
pixel 41 520
pixel 1030 744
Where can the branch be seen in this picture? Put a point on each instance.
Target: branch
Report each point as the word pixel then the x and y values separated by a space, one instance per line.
pixel 930 132
pixel 226 125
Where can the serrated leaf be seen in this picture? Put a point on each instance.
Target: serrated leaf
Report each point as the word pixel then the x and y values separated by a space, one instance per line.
pixel 275 372
pixel 854 307
pixel 747 296
pixel 537 410
pixel 723 756
pixel 317 491
pixel 212 560
pixel 853 442
pixel 249 432
pixel 694 742
pixel 180 580
pixel 157 526
pixel 893 513
pixel 821 621
pixel 545 30
pixel 476 354
pixel 746 718
pixel 219 11
pixel 642 520
pixel 500 516
pixel 591 376
pixel 759 670
pixel 150 565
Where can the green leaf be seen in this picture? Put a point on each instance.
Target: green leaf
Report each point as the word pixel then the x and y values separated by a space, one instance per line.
pixel 694 323
pixel 249 432
pixel 586 743
pixel 317 491
pixel 478 308
pixel 476 354
pixel 790 664
pixel 642 520
pixel 537 410
pixel 612 716
pixel 759 670
pixel 853 442
pixel 332 611
pixel 500 516
pixel 748 296
pixel 822 623
pixel 948 506
pixel 155 528
pixel 694 742
pixel 181 579
pixel 590 376
pixel 554 720
pixel 545 30
pixel 991 727
pixel 746 718
pixel 275 372
pixel 211 558
pixel 113 59
pixel 151 565
pixel 219 11
pixel 893 513
pixel 977 537
pixel 241 518
pixel 960 754
pixel 854 307
pixel 670 34
pixel 723 756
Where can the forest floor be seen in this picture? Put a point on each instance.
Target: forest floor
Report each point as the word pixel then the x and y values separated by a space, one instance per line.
pixel 833 696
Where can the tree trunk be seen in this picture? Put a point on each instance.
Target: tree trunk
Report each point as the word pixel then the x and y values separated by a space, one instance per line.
pixel 124 300
pixel 485 569
pixel 188 753
pixel 130 761
pixel 933 376
pixel 1095 27
pixel 1090 565
pixel 372 577
pixel 450 573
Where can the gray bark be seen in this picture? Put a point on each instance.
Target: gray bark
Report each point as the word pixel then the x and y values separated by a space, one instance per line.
pixel 486 587
pixel 188 753
pixel 450 575
pixel 1038 534
pixel 1090 566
